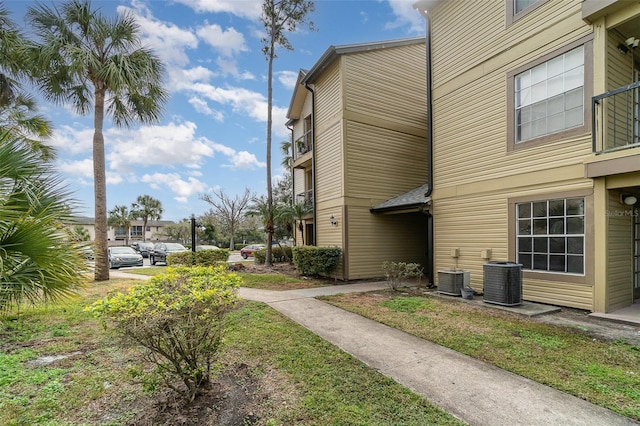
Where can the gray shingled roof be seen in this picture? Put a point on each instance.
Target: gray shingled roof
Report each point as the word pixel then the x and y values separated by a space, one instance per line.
pixel 414 198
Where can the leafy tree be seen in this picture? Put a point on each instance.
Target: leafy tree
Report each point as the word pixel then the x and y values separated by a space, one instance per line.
pixel 38 260
pixel 287 157
pixel 229 211
pixel 278 18
pixel 180 231
pixel 121 217
pixel 89 60
pixel 79 234
pixel 297 213
pixel 146 207
pixel 18 109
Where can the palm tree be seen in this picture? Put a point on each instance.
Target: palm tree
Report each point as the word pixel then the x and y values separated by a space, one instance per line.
pixel 89 60
pixel 17 109
pixel 287 157
pixel 278 17
pixel 297 213
pixel 121 217
pixel 146 207
pixel 38 260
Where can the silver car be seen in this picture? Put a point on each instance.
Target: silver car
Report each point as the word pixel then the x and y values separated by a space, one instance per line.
pixel 123 256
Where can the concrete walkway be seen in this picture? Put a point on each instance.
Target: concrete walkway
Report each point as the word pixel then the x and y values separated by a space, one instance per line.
pixel 473 391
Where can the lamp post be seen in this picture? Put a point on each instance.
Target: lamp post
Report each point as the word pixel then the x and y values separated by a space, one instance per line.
pixel 193 233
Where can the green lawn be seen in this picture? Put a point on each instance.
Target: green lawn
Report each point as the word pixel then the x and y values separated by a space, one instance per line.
pixel 606 373
pixel 313 383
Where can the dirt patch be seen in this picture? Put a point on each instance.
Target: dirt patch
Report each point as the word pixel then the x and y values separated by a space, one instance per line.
pixel 238 396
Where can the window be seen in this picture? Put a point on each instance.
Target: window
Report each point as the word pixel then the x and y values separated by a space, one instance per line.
pixel 136 231
pixel 550 235
pixel 516 9
pixel 549 97
pixel 520 5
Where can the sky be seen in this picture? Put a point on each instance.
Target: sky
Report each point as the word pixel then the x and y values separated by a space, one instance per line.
pixel 212 134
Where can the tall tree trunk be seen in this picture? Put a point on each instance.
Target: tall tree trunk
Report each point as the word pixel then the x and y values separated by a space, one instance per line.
pixel 144 228
pixel 100 190
pixel 268 261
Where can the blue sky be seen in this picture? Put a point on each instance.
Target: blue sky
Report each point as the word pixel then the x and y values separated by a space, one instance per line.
pixel 213 131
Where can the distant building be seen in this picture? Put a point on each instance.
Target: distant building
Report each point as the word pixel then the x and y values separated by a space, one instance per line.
pixel 153 232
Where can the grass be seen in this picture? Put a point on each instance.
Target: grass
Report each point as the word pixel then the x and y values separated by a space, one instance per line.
pixel 94 383
pixel 606 373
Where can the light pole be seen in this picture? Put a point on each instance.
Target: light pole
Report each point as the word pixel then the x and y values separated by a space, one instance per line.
pixel 193 233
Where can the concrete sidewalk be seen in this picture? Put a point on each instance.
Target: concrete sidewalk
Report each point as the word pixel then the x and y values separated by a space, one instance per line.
pixel 473 391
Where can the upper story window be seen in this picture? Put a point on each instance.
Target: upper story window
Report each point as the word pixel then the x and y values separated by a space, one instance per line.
pixel 520 5
pixel 516 9
pixel 549 97
pixel 551 235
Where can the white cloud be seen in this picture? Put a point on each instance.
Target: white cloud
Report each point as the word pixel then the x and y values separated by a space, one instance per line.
pixel 72 141
pixel 182 189
pixel 288 79
pixel 406 15
pixel 228 42
pixel 168 40
pixel 244 160
pixel 80 168
pixel 156 145
pixel 250 9
pixel 202 107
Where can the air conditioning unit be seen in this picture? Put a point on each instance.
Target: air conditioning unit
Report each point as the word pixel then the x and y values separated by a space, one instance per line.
pixel 503 283
pixel 450 281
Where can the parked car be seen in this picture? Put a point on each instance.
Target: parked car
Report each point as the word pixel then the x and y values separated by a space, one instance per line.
pixel 160 251
pixel 247 251
pixel 207 247
pixel 123 256
pixel 142 247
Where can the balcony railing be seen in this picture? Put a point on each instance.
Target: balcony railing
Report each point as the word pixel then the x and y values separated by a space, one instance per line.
pixel 305 197
pixel 616 119
pixel 303 145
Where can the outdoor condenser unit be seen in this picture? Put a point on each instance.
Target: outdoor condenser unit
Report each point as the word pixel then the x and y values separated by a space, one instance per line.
pixel 503 283
pixel 451 281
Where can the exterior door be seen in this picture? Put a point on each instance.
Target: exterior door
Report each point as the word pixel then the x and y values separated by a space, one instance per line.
pixel 636 252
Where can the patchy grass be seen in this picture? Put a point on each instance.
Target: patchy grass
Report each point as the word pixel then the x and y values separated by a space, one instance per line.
pixel 277 281
pixel 606 373
pixel 151 270
pixel 300 380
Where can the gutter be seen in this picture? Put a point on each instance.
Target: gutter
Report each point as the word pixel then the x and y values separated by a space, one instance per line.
pixel 313 158
pixel 422 6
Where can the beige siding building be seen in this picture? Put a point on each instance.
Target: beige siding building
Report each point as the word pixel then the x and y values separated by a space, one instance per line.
pixel 358 119
pixel 536 144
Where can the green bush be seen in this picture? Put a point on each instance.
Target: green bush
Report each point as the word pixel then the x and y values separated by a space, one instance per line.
pixel 177 318
pixel 396 272
pixel 278 255
pixel 311 260
pixel 202 257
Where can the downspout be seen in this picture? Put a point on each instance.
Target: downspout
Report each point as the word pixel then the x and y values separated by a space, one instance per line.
pixel 421 6
pixel 313 158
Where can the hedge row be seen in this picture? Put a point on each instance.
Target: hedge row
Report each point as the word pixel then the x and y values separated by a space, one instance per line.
pixel 310 260
pixel 278 255
pixel 200 257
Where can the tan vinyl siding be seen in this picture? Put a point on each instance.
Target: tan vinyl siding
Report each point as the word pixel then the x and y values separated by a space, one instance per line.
pixel 477 222
pixel 395 91
pixel 467 34
pixel 374 239
pixel 328 96
pixel 619 254
pixel 329 163
pixel 383 163
pixel 475 147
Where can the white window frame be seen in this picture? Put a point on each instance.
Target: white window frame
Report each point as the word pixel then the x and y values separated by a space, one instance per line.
pixel 549 97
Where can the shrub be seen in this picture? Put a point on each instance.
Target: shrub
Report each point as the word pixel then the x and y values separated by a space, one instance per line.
pixel 202 257
pixel 278 255
pixel 177 318
pixel 396 272
pixel 311 260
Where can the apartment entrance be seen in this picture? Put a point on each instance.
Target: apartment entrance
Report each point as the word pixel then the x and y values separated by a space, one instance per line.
pixel 636 252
